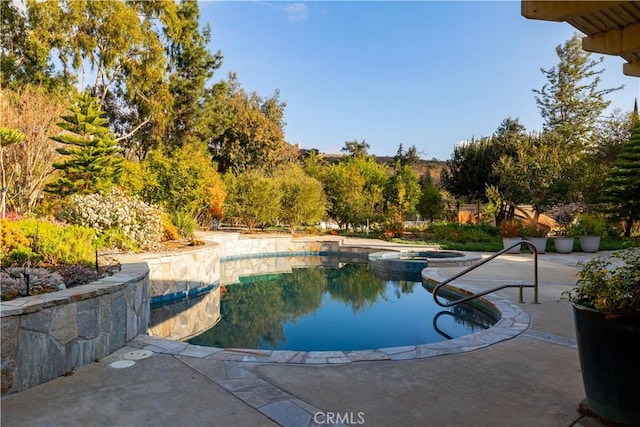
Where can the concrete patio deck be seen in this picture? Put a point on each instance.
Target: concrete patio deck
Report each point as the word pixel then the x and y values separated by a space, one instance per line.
pixel 530 380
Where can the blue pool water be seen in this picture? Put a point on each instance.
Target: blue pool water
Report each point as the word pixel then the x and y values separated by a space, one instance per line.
pixel 331 308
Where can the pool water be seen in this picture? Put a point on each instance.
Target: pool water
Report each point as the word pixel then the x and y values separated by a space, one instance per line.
pixel 331 308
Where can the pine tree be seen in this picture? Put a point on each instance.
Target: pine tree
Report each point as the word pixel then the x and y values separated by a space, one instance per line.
pixel 571 102
pixel 92 159
pixel 622 187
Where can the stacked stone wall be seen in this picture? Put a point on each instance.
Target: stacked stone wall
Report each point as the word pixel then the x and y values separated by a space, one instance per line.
pixel 49 335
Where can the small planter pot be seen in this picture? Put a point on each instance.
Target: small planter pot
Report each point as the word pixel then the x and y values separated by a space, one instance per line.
pixel 540 243
pixel 508 241
pixel 563 245
pixel 590 243
pixel 609 357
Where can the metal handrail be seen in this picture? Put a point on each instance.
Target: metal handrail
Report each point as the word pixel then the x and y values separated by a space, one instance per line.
pixel 484 261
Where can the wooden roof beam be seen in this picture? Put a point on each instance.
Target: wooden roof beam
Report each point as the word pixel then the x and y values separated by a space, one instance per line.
pixel 631 69
pixel 614 42
pixel 562 10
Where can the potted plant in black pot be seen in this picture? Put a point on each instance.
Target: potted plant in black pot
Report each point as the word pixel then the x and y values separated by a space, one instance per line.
pixel 606 309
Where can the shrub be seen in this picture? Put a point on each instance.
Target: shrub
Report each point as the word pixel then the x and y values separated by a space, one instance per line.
pixel 609 284
pixel 184 223
pixel 184 179
pixel 139 221
pixel 511 228
pixel 588 225
pixel 14 282
pixel 11 237
pixel 169 231
pixel 535 229
pixel 253 198
pixel 20 255
pixel 394 223
pixel 564 216
pixel 116 238
pixel 58 244
pixel 461 233
pixel 303 200
pixel 472 246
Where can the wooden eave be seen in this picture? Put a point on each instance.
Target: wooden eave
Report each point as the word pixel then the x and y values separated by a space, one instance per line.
pixel 611 27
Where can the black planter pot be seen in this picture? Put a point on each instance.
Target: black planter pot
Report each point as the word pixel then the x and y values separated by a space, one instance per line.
pixel 609 349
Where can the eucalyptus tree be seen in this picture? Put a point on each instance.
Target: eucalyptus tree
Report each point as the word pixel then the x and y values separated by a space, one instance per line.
pixel 23 61
pixel 116 48
pixel 191 65
pixel 244 130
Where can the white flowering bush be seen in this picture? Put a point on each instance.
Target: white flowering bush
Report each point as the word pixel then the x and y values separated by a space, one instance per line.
pixel 41 280
pixel 117 214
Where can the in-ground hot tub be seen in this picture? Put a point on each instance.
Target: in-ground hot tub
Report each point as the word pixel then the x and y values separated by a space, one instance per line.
pixel 416 261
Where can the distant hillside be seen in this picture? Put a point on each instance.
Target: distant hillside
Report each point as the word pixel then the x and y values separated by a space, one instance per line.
pixel 433 166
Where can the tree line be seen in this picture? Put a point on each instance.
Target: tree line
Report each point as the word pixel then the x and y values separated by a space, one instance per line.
pixel 150 119
pixel 580 156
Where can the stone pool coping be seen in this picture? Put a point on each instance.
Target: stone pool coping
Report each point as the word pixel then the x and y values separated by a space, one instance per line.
pixel 513 321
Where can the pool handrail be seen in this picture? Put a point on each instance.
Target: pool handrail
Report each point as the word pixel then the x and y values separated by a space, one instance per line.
pixel 485 292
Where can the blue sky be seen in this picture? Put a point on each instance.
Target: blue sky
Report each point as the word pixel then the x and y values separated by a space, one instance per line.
pixel 423 73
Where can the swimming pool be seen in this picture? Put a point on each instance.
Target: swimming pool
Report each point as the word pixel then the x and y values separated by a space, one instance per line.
pixel 333 306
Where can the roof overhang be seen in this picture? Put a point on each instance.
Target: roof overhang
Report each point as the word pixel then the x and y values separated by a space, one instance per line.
pixel 611 27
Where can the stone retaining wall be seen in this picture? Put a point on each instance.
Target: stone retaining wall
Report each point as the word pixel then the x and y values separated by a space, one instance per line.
pixel 47 336
pixel 180 274
pixel 233 245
